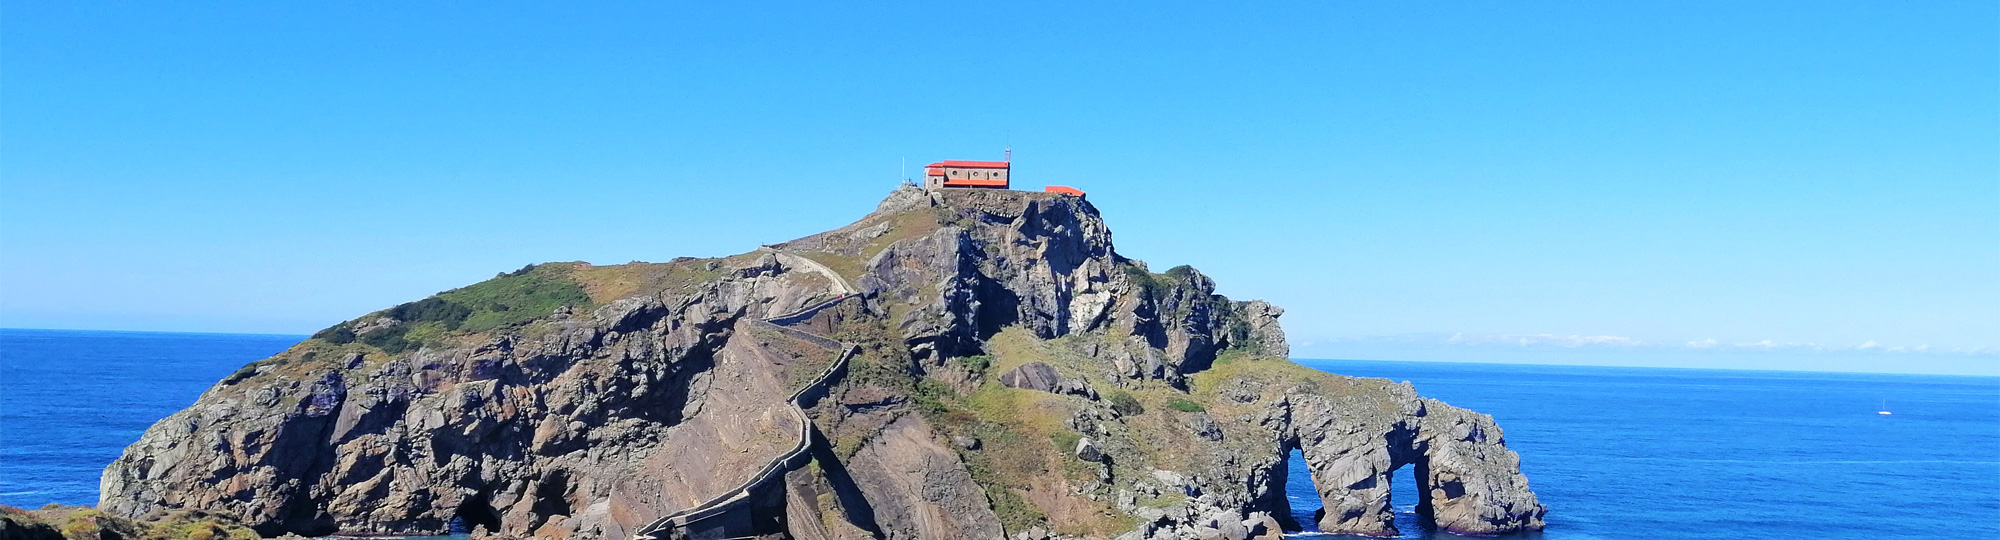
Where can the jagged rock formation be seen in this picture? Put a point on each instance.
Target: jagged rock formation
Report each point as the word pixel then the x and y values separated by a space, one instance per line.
pixel 1017 378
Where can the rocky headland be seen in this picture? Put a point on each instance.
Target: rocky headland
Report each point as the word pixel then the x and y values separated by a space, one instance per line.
pixel 956 364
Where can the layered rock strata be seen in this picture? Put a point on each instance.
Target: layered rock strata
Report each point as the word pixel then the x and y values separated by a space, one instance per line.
pixel 1017 378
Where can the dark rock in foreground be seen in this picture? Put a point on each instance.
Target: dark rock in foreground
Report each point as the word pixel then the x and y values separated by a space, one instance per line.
pixel 58 522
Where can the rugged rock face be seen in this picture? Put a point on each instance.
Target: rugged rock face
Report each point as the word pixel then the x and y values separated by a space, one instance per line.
pixel 1471 484
pixel 1018 379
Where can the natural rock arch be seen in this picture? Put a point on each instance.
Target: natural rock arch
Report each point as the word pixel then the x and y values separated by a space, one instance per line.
pixel 1466 482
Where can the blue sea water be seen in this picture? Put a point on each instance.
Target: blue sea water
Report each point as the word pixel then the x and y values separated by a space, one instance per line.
pixel 70 401
pixel 1613 452
pixel 1680 453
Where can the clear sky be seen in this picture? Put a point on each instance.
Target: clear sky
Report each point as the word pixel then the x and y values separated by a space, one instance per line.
pixel 1809 185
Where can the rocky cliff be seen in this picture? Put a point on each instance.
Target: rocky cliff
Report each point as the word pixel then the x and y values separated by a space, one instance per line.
pixel 1016 378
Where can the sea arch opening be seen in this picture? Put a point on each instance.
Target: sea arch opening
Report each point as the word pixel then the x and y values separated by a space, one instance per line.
pixel 1298 507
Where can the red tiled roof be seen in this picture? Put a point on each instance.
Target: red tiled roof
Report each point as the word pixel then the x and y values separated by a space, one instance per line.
pixel 971 164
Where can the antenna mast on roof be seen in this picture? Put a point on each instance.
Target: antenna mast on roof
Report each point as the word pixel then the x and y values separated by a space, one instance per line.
pixel 1010 155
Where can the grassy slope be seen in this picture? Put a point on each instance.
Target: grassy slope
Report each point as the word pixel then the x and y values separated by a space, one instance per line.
pixel 1024 439
pixel 849 260
pixel 465 316
pixel 1025 436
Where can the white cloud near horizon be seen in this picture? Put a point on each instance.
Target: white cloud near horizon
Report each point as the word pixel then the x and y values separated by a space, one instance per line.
pixel 1571 341
pixel 1574 341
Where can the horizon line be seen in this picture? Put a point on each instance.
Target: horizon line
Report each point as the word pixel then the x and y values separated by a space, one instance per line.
pixel 1302 360
pixel 1294 359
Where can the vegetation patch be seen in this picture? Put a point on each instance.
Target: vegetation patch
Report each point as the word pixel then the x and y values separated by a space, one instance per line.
pixel 1183 405
pixel 1165 500
pixel 1124 403
pixel 1150 286
pixel 434 309
pixel 339 334
pixel 84 523
pixel 851 259
pixel 1160 288
pixel 1015 346
pixel 1013 510
pixel 1237 365
pixel 611 282
pixel 247 371
pixel 509 299
pixel 1065 440
pixel 978 363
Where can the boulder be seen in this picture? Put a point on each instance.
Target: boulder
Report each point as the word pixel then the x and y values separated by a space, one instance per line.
pixel 1033 376
pixel 1261 526
pixel 1229 526
pixel 1086 450
pixel 965 442
pixel 1043 377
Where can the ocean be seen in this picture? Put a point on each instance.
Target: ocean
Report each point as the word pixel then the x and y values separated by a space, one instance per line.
pixel 1614 452
pixel 70 401
pixel 1682 453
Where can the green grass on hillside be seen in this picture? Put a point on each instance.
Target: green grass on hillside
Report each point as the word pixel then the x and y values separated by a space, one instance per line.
pixel 506 300
pixel 607 283
pixel 516 297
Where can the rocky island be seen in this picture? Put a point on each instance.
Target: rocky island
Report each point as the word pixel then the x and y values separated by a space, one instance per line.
pixel 959 363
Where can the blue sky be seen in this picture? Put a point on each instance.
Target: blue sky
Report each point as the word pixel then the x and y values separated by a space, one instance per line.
pixel 1810 185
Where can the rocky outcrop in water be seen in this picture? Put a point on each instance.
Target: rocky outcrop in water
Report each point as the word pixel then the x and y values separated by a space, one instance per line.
pixel 1017 378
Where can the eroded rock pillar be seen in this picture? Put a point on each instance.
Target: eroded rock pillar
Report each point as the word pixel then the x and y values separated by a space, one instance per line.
pixel 1352 475
pixel 1354 492
pixel 1472 481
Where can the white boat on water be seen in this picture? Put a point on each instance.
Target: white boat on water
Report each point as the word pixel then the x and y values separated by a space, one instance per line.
pixel 1884 409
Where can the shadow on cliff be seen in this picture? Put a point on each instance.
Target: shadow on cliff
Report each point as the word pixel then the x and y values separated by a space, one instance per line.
pixel 858 511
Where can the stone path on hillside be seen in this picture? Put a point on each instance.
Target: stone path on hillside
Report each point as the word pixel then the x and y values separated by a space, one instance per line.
pixel 799 454
pixel 839 283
